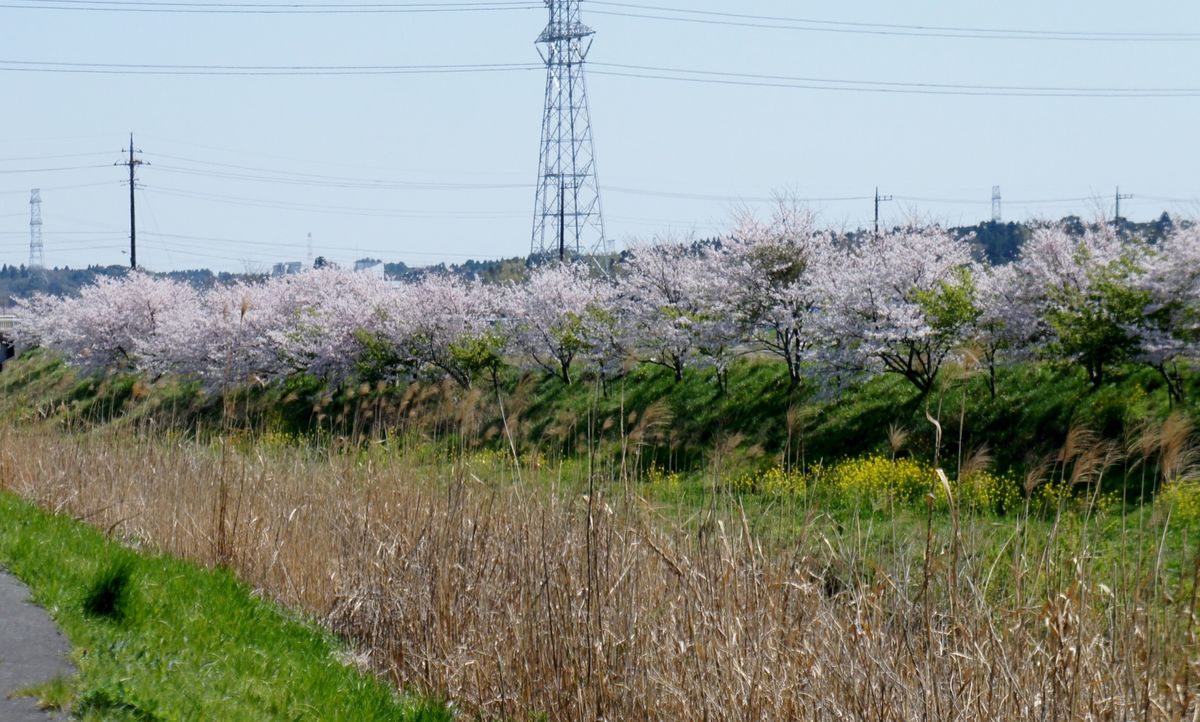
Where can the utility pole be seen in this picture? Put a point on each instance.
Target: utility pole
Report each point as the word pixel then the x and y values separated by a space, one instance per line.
pixel 1117 212
pixel 879 199
pixel 133 163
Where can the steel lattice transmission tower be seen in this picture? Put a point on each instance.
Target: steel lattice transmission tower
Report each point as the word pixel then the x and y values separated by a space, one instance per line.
pixel 37 252
pixel 567 219
pixel 996 205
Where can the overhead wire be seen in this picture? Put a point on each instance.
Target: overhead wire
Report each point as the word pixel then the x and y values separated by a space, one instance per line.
pixel 44 189
pixel 623 70
pixel 314 179
pixel 41 66
pixel 776 22
pixel 613 8
pixel 716 77
pixel 169 237
pixel 326 208
pixel 191 8
pixel 9 171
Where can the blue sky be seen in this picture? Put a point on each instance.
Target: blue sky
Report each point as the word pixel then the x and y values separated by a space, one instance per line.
pixel 732 144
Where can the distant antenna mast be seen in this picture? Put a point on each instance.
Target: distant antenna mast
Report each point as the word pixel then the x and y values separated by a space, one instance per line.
pixel 310 256
pixel 567 217
pixel 37 255
pixel 996 214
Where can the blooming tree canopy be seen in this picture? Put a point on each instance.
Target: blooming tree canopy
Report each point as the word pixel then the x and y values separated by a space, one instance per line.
pixel 899 302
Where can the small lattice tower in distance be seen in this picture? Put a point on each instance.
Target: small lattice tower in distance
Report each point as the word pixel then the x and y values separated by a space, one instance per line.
pixel 996 214
pixel 37 252
pixel 567 219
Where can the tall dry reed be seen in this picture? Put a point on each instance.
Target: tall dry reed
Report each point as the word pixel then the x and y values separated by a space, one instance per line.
pixel 513 600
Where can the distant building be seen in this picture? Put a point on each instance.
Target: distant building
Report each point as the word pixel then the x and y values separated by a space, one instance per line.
pixel 373 267
pixel 289 268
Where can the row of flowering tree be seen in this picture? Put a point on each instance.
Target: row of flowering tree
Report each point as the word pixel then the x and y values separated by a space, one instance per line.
pixel 903 302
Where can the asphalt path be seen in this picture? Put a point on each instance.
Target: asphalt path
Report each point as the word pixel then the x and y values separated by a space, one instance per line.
pixel 32 651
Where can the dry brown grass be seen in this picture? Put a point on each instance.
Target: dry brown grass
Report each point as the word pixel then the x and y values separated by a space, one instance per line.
pixel 512 600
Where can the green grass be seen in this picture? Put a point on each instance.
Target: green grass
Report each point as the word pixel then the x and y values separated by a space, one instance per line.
pixel 1035 406
pixel 160 639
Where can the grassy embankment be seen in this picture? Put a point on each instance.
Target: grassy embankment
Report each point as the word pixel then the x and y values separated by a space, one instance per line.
pixel 160 639
pixel 598 583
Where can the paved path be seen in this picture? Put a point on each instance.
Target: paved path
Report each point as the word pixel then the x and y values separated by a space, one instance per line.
pixel 32 651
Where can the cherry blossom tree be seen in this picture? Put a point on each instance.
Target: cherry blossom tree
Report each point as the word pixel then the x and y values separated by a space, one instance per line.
pixel 675 304
pixel 1169 325
pixel 1007 323
pixel 1086 302
pixel 453 326
pixel 774 265
pixel 226 337
pixel 323 317
pixel 900 302
pixel 109 323
pixel 547 316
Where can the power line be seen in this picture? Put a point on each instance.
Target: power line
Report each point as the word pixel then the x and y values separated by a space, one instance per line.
pixel 881 86
pixel 618 9
pixel 711 77
pixel 711 197
pixel 317 179
pixel 324 208
pixel 49 170
pixel 167 238
pixel 775 22
pixel 308 161
pixel 53 157
pixel 64 188
pixel 188 8
pixel 40 66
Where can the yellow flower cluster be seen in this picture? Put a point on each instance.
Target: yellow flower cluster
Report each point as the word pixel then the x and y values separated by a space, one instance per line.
pixel 985 491
pixel 879 478
pixel 663 482
pixel 774 481
pixel 1182 499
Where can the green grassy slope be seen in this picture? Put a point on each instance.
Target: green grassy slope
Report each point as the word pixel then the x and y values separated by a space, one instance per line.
pixel 186 643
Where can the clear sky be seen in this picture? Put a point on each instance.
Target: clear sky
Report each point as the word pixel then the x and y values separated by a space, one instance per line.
pixel 457 152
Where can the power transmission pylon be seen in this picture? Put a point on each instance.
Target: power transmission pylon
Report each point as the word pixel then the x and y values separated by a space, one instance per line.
pixel 37 252
pixel 133 163
pixel 996 207
pixel 567 218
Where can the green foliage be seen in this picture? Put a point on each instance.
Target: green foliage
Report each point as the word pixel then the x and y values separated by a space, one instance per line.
pixel 378 359
pixel 1091 326
pixel 194 644
pixel 952 305
pixel 1036 404
pixel 475 355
